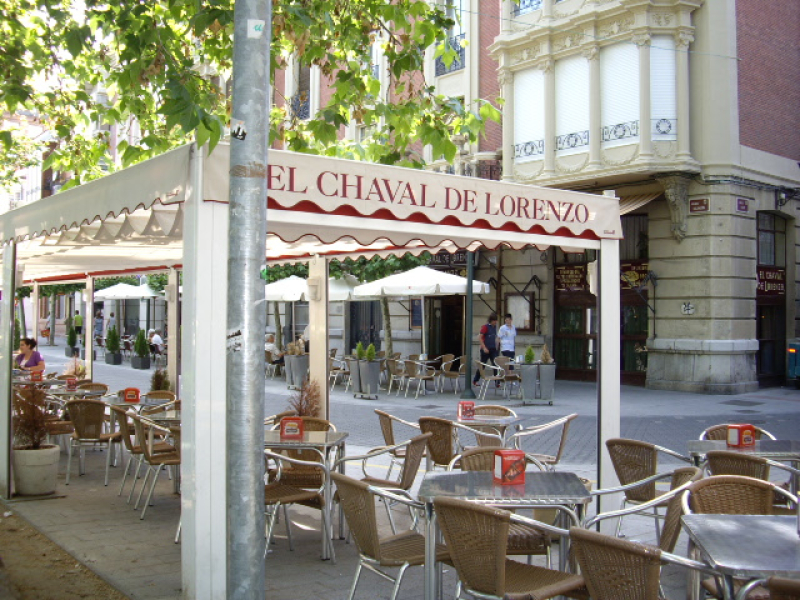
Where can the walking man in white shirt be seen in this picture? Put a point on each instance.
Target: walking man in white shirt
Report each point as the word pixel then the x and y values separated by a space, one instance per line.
pixel 507 336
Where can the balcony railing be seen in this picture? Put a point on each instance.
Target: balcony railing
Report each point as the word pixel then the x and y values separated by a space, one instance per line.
pixel 620 131
pixel 572 140
pixel 301 105
pixel 531 148
pixel 458 62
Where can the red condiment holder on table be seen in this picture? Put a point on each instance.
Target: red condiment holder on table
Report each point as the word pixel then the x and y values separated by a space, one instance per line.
pixel 292 428
pixel 72 384
pixel 36 375
pixel 466 410
pixel 741 435
pixel 131 395
pixel 509 467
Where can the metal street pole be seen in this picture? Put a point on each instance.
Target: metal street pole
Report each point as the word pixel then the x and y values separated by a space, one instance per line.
pixel 246 321
pixel 468 393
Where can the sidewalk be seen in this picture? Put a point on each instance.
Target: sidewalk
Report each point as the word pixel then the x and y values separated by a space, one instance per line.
pixel 140 559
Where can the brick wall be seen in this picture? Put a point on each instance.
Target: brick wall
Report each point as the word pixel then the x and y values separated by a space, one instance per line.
pixel 487 70
pixel 768 37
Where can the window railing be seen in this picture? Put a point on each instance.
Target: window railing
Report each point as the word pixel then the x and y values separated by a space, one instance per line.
pixel 620 131
pixel 458 62
pixel 572 140
pixel 531 148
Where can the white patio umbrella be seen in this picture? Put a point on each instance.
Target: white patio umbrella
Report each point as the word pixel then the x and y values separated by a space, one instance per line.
pixel 294 289
pixel 126 291
pixel 419 281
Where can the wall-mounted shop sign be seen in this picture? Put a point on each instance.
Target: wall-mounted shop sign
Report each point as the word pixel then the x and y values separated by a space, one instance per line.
pixel 771 281
pixel 698 205
pixel 632 274
pixel 571 278
pixel 742 205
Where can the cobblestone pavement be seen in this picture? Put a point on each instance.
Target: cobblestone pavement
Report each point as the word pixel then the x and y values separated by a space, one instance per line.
pixel 139 557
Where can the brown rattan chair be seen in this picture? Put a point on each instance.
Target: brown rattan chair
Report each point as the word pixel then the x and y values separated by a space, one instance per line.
pixel 397 373
pixel 522 540
pixel 477 537
pixel 616 569
pixel 88 418
pixel 444 444
pixel 635 461
pixel 279 493
pixel 376 553
pixel 537 438
pixel 720 432
pixel 493 410
pixel 446 372
pixel 512 376
pixel 338 368
pixel 732 495
pixel 94 387
pixel 156 461
pixel 300 475
pixel 135 451
pixel 274 420
pixel 419 372
pixel 387 422
pixel 489 373
pixel 780 588
pixel 413 450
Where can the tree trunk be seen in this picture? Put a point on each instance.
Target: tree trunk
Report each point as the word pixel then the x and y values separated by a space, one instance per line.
pixel 52 340
pixel 278 326
pixel 387 327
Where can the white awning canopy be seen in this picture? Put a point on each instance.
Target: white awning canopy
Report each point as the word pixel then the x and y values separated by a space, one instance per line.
pixel 126 291
pixel 420 281
pixel 294 289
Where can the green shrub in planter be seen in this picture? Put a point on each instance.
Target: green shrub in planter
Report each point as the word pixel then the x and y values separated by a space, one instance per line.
pixel 142 350
pixel 530 356
pixel 72 343
pixel 113 354
pixel 360 352
pixel 370 354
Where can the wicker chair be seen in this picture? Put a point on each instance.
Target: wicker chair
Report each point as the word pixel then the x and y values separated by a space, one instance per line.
pixel 413 450
pixel 446 372
pixel 396 373
pixel 494 410
pixel 135 451
pixel 420 372
pixel 522 540
pixel 732 495
pixel 94 387
pixel 779 588
pixel 387 422
pixel 635 461
pixel 444 444
pixel 512 377
pixel 156 461
pixel 477 537
pixel 300 475
pixel 720 432
pixel 275 420
pixel 376 553
pixel 279 493
pixel 88 418
pixel 489 373
pixel 617 569
pixel 337 368
pixel 524 437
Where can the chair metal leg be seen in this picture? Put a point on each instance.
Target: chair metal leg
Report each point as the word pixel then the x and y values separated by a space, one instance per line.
pixel 619 520
pixel 108 460
pixel 355 581
pixel 389 514
pixel 125 474
pixel 144 487
pixel 135 477
pixel 69 461
pixel 150 495
pixel 178 532
pixel 398 581
pixel 288 526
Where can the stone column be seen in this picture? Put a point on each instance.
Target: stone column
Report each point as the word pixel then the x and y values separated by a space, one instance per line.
pixel 682 41
pixel 592 54
pixel 505 79
pixel 548 67
pixel 642 40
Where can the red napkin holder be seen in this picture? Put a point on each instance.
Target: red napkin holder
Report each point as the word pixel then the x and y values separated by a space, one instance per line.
pixel 72 384
pixel 741 435
pixel 292 428
pixel 466 409
pixel 131 395
pixel 509 467
pixel 36 375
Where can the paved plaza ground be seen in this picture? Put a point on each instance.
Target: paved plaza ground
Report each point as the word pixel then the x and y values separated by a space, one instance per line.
pixel 140 559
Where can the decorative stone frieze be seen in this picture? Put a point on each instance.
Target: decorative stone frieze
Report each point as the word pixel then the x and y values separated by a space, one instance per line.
pixel 662 19
pixel 617 26
pixel 633 154
pixel 676 190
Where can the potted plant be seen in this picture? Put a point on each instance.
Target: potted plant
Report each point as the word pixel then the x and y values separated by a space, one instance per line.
pixel 159 380
pixel 72 343
pixel 369 371
pixel 113 354
pixel 547 376
pixel 307 401
pixel 529 372
pixel 288 365
pixel 35 463
pixel 355 369
pixel 301 363
pixel 142 350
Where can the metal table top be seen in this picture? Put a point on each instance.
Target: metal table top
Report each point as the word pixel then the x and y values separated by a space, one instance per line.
pixel 489 420
pixel 540 488
pixel 747 546
pixel 774 449
pixel 74 393
pixel 43 383
pixel 166 416
pixel 326 439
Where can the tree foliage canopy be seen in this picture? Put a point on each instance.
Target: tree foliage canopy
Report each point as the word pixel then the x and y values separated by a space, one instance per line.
pixel 159 69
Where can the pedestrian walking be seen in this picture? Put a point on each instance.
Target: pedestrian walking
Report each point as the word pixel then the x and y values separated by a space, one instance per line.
pixel 507 335
pixel 78 322
pixel 488 339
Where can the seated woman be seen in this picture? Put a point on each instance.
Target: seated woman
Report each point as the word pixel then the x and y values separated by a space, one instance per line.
pixel 154 339
pixel 29 358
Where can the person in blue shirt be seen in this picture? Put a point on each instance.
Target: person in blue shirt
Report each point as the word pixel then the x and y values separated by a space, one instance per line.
pixel 507 335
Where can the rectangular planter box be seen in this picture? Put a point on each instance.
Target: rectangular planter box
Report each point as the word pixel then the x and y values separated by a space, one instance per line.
pixel 140 362
pixel 114 359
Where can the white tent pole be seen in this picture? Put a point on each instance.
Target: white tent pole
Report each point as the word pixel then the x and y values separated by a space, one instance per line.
pixel 173 308
pixel 6 352
pixel 424 327
pixel 88 326
pixel 608 385
pixel 35 310
pixel 318 327
pixel 204 465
